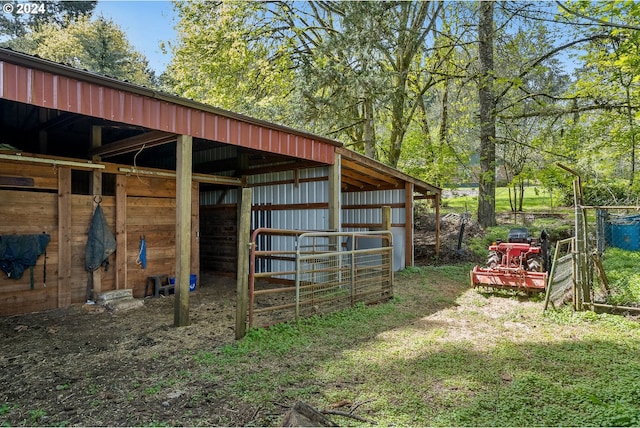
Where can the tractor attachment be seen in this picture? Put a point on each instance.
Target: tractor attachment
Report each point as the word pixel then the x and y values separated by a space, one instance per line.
pixel 519 264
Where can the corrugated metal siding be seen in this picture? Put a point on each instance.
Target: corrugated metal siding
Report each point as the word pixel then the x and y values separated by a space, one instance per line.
pixel 44 89
pixel 214 154
pixel 212 197
pixel 373 215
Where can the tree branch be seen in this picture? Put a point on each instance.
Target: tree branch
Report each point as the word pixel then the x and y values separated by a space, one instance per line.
pixel 598 20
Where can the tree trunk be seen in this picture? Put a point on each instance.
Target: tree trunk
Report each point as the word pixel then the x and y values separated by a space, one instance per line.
pixel 521 189
pixel 487 181
pixel 369 129
pixel 630 116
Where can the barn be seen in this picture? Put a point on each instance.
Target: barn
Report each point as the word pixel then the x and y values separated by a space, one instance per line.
pixel 168 175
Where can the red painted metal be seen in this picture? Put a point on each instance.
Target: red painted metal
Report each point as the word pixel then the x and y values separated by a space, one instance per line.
pixel 510 278
pixel 511 271
pixel 92 97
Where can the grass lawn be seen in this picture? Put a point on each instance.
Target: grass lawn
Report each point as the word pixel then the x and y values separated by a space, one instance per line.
pixel 441 354
pixel 535 199
pixel 621 267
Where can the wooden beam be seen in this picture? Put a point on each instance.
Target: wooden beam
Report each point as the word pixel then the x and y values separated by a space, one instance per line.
pixel 437 203
pixel 386 218
pixel 195 229
pixel 351 182
pixel 242 284
pixel 121 231
pixel 370 180
pixel 335 209
pixel 408 221
pixel 183 229
pixel 64 237
pixel 386 225
pixel 369 171
pixel 420 186
pixel 131 144
pixel 96 190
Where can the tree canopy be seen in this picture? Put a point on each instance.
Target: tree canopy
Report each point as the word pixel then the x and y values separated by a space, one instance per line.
pixel 67 33
pixel 480 93
pixel 453 92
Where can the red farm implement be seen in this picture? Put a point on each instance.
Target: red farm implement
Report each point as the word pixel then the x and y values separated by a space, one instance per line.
pixel 519 264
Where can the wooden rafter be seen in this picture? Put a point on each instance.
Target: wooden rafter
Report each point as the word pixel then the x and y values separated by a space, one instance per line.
pixel 131 144
pixel 370 172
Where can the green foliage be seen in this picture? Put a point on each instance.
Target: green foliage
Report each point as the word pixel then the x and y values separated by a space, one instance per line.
pixel 17 24
pixel 228 55
pixel 36 415
pixel 610 192
pixel 96 45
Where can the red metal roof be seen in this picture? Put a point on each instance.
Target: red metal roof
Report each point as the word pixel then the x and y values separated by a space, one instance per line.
pixel 47 84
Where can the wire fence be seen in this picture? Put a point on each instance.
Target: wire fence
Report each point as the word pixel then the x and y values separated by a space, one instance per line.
pixel 561 288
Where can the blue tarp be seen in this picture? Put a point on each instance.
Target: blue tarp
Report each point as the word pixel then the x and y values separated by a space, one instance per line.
pixel 18 252
pixel 100 243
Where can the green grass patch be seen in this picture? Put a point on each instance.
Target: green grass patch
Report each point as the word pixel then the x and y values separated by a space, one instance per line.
pixel 621 267
pixel 535 199
pixel 442 355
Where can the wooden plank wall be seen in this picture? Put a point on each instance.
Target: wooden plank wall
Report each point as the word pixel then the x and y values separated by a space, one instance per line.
pixel 32 202
pixel 219 238
pixel 24 212
pixel 82 209
pixel 151 213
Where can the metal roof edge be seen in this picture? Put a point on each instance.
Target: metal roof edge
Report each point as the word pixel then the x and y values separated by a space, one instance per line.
pixel 20 58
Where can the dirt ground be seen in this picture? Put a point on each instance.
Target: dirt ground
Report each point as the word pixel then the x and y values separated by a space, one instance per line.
pixel 58 365
pixel 87 366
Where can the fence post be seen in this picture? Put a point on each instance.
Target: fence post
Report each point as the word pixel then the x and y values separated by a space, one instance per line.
pixel 386 225
pixel 242 284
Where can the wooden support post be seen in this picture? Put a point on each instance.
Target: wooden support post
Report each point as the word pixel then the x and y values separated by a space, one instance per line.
pixel 335 222
pixel 121 231
pixel 408 224
pixel 64 237
pixel 244 241
pixel 386 218
pixel 96 190
pixel 195 229
pixel 335 208
pixel 386 225
pixel 437 202
pixel 183 229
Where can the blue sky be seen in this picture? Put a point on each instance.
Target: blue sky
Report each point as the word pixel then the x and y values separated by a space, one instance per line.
pixel 146 23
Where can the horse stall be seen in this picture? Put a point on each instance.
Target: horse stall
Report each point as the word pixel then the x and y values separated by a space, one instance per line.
pixel 53 197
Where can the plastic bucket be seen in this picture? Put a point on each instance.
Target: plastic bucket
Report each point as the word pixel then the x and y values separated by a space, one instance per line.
pixel 193 279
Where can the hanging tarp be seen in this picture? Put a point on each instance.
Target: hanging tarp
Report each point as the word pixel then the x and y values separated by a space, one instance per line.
pixel 18 252
pixel 100 243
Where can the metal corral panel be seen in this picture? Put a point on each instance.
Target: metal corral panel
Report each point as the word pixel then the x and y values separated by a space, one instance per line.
pixel 97 97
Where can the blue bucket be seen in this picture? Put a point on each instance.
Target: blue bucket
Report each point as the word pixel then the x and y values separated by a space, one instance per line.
pixel 193 279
